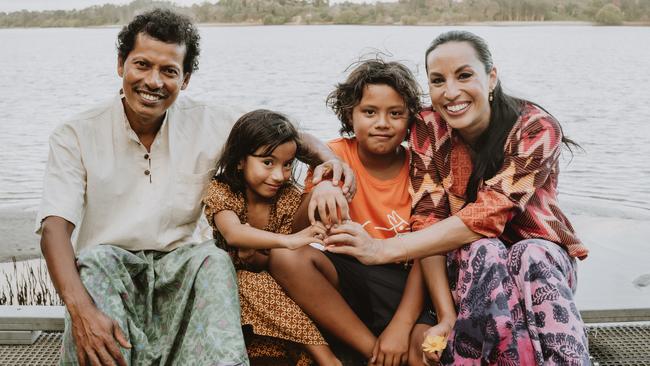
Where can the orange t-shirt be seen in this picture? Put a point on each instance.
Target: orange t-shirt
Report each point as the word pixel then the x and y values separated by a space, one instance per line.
pixel 383 207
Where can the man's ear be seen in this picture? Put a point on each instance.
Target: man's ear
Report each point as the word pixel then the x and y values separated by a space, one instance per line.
pixel 186 80
pixel 120 66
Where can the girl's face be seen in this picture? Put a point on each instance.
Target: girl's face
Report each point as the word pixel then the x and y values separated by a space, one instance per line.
pixel 459 88
pixel 380 120
pixel 264 175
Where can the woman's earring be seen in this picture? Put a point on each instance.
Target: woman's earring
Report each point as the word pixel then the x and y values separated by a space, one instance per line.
pixel 491 96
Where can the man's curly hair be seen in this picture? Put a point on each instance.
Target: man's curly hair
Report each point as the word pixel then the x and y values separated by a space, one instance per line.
pixel 348 94
pixel 166 26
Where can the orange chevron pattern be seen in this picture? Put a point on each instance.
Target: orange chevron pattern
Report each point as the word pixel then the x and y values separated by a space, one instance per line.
pixel 519 202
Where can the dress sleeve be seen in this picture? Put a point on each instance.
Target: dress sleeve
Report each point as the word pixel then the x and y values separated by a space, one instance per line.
pixel 220 197
pixel 64 184
pixel 430 201
pixel 531 151
pixel 287 206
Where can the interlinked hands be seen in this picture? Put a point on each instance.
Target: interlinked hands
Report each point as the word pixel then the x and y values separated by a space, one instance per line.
pixel 97 337
pixel 311 234
pixel 352 239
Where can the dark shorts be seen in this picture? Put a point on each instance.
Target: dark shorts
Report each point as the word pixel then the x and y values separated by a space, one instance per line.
pixel 375 292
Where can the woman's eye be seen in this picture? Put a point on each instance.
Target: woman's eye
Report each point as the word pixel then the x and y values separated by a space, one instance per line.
pixel 437 81
pixel 465 75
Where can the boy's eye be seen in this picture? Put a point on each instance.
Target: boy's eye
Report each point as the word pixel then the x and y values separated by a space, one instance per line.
pixel 396 113
pixel 369 112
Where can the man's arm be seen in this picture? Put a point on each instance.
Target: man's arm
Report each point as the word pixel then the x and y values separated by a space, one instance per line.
pixel 314 152
pixel 94 333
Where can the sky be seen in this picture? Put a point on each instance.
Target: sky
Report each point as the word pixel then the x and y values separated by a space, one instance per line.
pixel 15 5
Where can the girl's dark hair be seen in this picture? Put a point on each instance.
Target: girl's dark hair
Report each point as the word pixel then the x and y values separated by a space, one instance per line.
pixel 504 112
pixel 164 25
pixel 253 130
pixel 348 94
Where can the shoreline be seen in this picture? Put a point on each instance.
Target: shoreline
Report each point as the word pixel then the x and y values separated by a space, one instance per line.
pixel 531 23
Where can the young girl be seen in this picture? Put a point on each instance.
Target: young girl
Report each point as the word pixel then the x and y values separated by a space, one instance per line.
pixel 373 309
pixel 251 205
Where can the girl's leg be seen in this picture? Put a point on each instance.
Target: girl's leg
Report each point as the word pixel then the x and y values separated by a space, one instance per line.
pixel 546 278
pixel 490 327
pixel 311 280
pixel 322 354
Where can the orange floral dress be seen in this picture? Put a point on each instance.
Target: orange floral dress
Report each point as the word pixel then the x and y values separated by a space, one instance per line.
pixel 277 322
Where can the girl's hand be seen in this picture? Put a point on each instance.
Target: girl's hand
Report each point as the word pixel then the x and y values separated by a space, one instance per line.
pixel 337 168
pixel 352 239
pixel 392 346
pixel 327 199
pixel 311 234
pixel 254 259
pixel 441 329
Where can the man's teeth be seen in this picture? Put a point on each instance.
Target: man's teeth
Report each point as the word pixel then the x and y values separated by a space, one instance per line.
pixel 149 97
pixel 457 107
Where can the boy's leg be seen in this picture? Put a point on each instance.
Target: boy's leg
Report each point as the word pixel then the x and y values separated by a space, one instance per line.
pixel 311 280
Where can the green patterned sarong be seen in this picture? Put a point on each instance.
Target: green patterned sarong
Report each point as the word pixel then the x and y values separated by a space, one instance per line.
pixel 176 308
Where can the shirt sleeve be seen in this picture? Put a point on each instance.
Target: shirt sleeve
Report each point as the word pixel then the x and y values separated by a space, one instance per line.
pixel 430 202
pixel 530 154
pixel 219 197
pixel 64 184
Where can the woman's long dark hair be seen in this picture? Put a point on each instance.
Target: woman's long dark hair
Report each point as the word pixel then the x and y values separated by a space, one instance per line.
pixel 253 130
pixel 504 112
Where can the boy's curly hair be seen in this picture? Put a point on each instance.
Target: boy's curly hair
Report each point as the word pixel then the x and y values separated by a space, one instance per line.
pixel 348 94
pixel 166 26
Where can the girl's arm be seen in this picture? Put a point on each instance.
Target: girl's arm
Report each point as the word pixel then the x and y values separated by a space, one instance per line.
pixel 240 235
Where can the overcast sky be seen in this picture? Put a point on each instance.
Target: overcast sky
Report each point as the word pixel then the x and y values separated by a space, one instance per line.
pixel 14 5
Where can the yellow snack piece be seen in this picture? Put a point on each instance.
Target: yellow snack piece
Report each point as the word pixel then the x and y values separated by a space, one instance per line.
pixel 433 344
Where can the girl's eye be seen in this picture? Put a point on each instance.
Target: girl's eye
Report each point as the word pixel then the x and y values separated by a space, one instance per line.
pixel 288 164
pixel 267 162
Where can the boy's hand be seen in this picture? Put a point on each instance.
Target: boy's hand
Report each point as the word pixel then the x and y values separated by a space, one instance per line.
pixel 327 199
pixel 337 168
pixel 392 346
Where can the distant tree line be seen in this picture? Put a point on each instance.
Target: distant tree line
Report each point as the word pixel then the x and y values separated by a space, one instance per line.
pixel 407 12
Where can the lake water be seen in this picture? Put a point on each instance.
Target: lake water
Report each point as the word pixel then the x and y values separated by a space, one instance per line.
pixel 595 80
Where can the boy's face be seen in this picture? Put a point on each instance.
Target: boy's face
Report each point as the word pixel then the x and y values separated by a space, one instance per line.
pixel 380 120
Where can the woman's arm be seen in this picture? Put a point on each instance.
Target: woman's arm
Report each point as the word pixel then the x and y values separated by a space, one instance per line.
pixel 439 238
pixel 241 235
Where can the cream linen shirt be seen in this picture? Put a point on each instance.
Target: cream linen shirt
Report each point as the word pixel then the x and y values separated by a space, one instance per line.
pixel 102 179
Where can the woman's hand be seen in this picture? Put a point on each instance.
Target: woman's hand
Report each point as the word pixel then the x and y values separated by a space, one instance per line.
pixel 337 168
pixel 311 234
pixel 328 200
pixel 352 239
pixel 392 346
pixel 442 329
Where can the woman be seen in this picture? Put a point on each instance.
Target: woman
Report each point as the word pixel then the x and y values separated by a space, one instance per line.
pixel 484 172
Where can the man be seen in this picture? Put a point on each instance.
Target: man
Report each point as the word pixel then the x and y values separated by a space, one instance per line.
pixel 127 177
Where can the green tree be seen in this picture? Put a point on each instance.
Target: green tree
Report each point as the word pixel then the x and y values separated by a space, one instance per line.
pixel 609 14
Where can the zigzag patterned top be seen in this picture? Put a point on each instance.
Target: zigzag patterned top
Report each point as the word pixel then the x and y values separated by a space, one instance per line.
pixel 519 202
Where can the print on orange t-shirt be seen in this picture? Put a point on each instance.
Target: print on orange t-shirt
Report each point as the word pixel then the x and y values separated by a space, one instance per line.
pixel 383 207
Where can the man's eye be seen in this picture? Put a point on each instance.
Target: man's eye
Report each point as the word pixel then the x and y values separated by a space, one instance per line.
pixel 172 72
pixel 140 63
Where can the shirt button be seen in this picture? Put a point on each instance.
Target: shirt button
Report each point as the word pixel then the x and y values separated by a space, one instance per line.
pixel 146 156
pixel 146 172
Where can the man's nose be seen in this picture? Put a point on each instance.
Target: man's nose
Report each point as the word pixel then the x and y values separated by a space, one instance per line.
pixel 153 80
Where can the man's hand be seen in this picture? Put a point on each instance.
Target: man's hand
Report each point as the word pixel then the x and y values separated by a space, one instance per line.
pixel 337 168
pixel 96 338
pixel 392 346
pixel 327 199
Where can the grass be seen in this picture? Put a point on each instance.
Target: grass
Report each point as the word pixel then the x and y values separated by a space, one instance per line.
pixel 27 284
